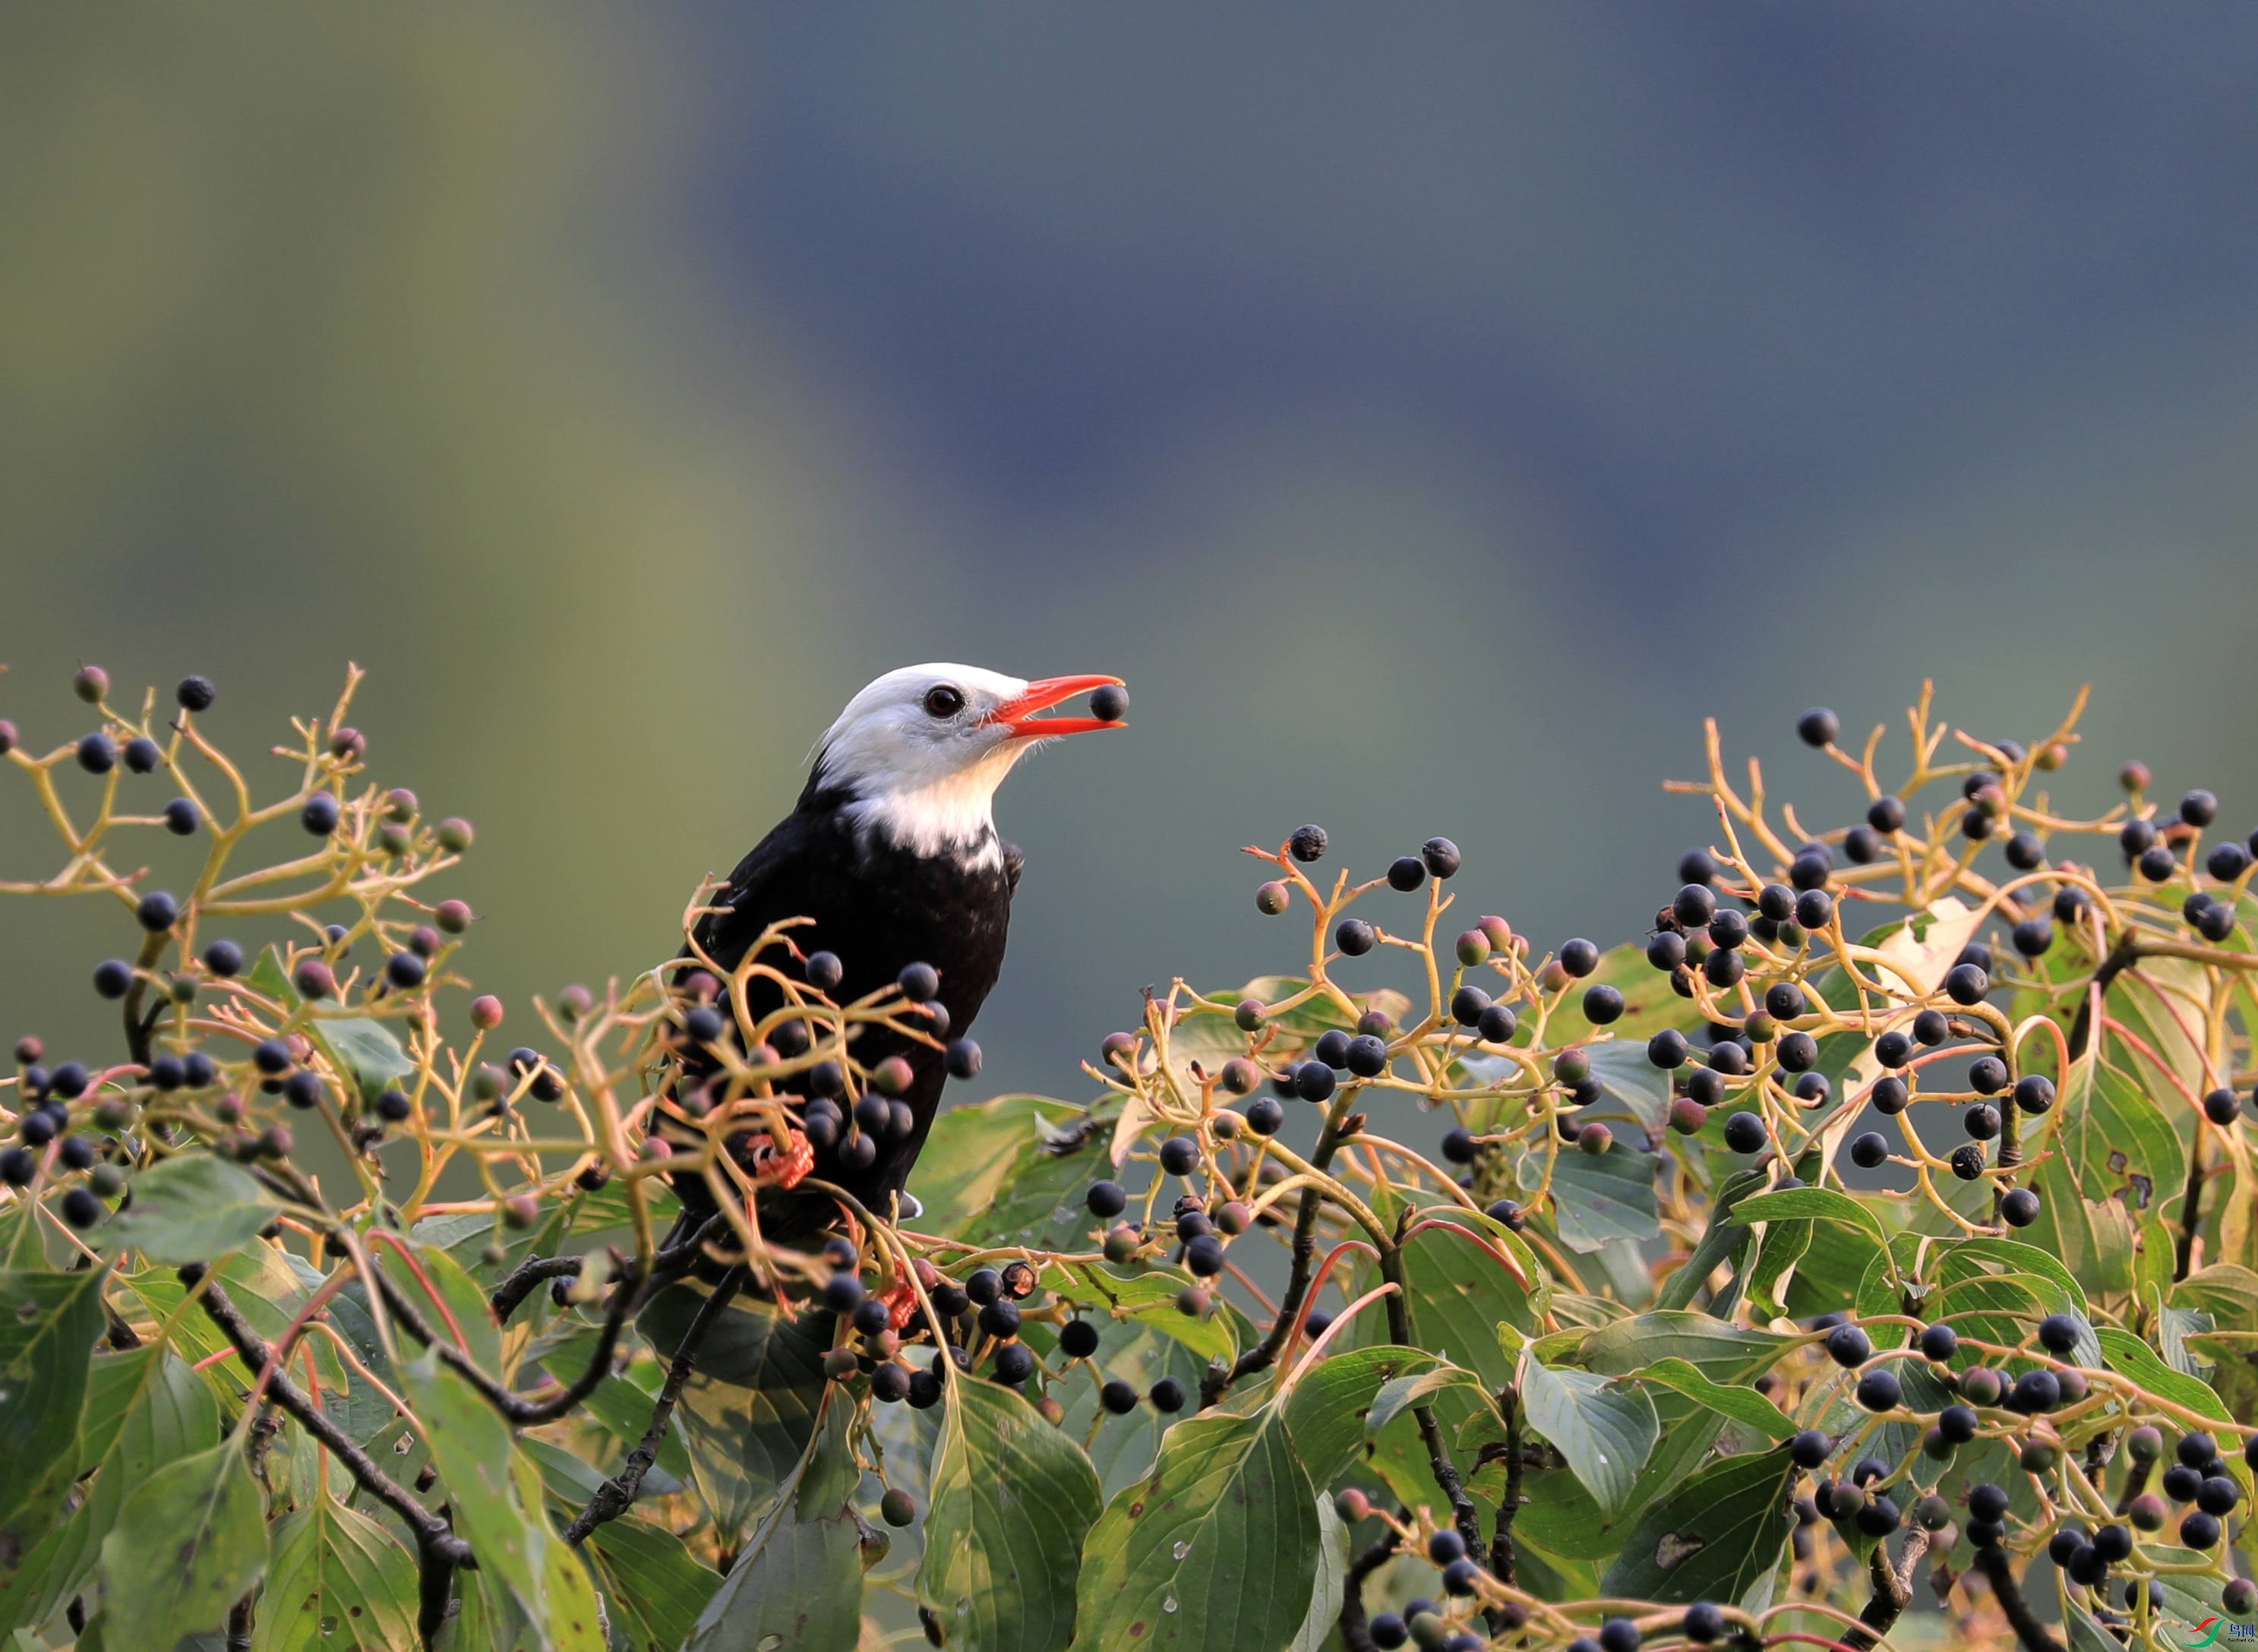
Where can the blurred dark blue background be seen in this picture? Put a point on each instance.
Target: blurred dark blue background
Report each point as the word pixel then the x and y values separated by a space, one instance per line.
pixel 1432 413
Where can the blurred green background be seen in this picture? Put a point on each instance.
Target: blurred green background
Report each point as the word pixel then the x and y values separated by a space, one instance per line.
pixel 1433 413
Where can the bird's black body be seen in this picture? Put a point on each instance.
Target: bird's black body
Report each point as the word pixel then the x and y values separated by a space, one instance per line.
pixel 878 907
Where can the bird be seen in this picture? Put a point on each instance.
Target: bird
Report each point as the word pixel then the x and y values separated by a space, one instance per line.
pixel 892 854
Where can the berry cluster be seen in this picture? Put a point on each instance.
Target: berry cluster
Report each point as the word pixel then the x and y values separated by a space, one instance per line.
pixel 1879 1217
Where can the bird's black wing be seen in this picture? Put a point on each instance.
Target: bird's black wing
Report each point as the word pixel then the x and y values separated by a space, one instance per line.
pixel 772 883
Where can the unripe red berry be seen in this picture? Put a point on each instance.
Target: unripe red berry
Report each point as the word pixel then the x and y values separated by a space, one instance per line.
pixel 485 1013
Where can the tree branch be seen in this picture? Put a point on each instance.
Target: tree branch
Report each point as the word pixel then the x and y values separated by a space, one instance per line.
pixel 617 1494
pixel 521 1280
pixel 438 1550
pixel 1264 1354
pixel 2126 953
pixel 2000 1574
pixel 1502 1564
pixel 1354 1633
pixel 518 1409
pixel 254 1353
pixel 670 1263
pixel 1892 1591
pixel 2191 1210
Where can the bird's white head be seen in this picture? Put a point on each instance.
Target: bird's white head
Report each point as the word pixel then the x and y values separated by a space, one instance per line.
pixel 919 753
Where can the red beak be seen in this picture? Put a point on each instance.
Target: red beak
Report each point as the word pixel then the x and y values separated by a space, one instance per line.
pixel 1020 715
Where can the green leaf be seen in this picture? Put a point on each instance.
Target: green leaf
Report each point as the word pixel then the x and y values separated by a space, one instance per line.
pixel 2128 1355
pixel 1400 1394
pixel 458 1311
pixel 363 1049
pixel 1215 1548
pixel 653 1586
pixel 1781 1252
pixel 192 1208
pixel 970 1150
pixel 2087 1635
pixel 2014 1256
pixel 529 1579
pixel 1744 1406
pixel 1562 1518
pixel 144 1409
pixel 1458 1291
pixel 1719 1241
pixel 2115 1140
pixel 1011 1498
pixel 2192 1591
pixel 2224 1289
pixel 1816 1205
pixel 798 1582
pixel 2163 1001
pixel 1605 1428
pixel 1718 1536
pixel 2093 1236
pixel 1207 1033
pixel 1832 1269
pixel 1999 1299
pixel 751 1408
pixel 1123 1447
pixel 1037 1199
pixel 1595 1200
pixel 1649 1003
pixel 360 1047
pixel 48 1325
pixel 1325 1408
pixel 1332 1583
pixel 338 1580
pixel 267 1286
pixel 1147 1298
pixel 1721 1352
pixel 190 1539
pixel 1640 1089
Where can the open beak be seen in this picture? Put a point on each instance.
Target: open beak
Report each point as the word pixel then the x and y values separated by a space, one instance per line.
pixel 1022 715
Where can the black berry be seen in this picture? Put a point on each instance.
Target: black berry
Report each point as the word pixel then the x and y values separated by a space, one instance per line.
pixel 1744 1133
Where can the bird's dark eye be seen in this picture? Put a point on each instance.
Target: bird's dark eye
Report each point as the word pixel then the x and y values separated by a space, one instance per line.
pixel 943 701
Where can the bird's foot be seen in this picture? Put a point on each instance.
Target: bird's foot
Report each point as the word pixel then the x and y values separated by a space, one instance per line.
pixel 901 1304
pixel 787 1169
